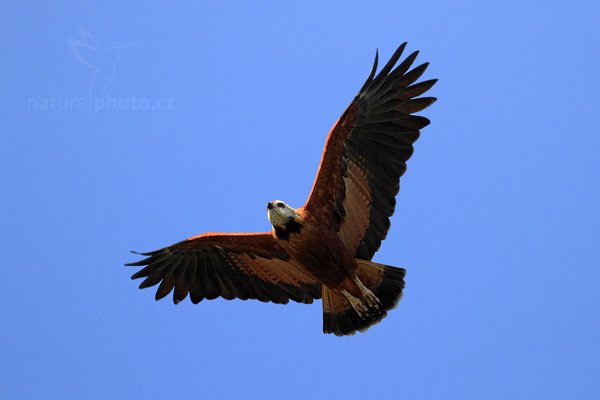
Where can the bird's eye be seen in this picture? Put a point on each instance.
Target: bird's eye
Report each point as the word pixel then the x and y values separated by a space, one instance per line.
pixel 280 205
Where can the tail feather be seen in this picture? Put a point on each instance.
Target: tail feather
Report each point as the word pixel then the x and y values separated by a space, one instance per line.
pixel 386 283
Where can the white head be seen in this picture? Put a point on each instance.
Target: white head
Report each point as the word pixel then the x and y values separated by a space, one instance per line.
pixel 279 213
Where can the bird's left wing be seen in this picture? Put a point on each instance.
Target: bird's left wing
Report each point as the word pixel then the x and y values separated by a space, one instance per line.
pixel 236 265
pixel 366 153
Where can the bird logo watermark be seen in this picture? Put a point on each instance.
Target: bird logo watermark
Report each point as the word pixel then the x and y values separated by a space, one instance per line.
pixel 102 62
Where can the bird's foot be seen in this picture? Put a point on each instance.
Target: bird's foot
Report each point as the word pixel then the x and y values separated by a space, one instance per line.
pixel 368 296
pixel 371 300
pixel 359 306
pixel 367 307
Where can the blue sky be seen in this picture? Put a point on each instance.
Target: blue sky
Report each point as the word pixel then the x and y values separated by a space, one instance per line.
pixel 132 126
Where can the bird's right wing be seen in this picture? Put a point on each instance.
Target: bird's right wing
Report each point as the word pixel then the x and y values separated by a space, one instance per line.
pixel 235 265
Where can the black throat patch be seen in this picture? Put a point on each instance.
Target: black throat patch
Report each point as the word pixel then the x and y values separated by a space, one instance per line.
pixel 284 232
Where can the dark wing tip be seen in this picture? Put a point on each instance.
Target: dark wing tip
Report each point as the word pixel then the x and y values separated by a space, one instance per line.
pixel 374 82
pixel 138 263
pixel 148 253
pixel 375 63
pixel 372 73
pixel 393 60
pixel 145 261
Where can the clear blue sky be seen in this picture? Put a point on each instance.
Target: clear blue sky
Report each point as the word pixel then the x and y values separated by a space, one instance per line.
pixel 134 126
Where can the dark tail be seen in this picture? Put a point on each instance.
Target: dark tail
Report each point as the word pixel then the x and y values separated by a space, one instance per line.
pixel 384 281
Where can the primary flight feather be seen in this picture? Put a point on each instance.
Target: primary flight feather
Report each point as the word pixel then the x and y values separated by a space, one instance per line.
pixel 324 248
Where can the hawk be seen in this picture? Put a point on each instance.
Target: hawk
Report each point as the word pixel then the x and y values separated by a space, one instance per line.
pixel 322 250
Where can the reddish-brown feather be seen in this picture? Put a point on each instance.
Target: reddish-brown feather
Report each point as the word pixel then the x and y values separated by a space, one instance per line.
pixel 356 204
pixel 328 186
pixel 258 254
pixel 261 244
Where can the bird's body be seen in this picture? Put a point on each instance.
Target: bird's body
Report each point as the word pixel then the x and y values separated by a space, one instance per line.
pixel 324 248
pixel 319 250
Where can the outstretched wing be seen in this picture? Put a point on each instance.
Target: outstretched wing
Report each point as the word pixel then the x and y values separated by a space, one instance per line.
pixel 366 152
pixel 238 265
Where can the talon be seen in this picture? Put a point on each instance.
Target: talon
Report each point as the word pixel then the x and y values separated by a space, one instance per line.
pixel 361 309
pixel 372 300
pixel 368 296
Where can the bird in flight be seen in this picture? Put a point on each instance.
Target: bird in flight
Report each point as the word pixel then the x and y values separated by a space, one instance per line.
pixel 322 250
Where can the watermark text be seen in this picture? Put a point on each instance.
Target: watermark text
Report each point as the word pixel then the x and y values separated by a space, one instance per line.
pixel 100 104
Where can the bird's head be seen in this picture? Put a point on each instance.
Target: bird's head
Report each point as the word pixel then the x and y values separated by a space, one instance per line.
pixel 280 214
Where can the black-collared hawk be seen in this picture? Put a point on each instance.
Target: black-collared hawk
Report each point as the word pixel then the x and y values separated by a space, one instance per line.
pixel 322 250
